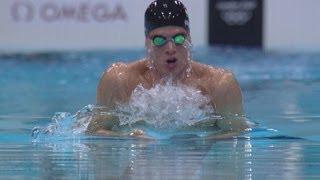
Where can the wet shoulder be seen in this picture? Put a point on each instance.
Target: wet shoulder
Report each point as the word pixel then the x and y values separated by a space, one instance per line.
pixel 138 67
pixel 203 71
pixel 125 69
pixel 114 71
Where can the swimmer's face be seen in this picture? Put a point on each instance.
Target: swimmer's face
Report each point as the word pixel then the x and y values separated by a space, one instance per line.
pixel 171 58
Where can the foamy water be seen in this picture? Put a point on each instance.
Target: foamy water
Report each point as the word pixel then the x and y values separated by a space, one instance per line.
pixel 166 106
pixel 64 125
pixel 163 107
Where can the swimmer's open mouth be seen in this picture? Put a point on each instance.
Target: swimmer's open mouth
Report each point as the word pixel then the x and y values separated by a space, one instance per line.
pixel 172 61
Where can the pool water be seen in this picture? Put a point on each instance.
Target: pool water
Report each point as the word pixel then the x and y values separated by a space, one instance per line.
pixel 281 93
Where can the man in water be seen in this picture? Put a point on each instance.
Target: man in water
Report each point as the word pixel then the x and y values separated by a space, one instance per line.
pixel 167 39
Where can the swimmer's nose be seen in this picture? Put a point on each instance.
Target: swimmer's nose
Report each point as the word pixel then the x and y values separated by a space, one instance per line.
pixel 171 48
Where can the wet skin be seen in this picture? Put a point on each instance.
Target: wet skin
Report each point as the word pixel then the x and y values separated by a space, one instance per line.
pixel 169 61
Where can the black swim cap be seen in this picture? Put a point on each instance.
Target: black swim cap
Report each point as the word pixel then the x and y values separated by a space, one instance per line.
pixel 166 13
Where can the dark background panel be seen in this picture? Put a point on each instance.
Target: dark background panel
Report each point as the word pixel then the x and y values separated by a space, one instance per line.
pixel 236 22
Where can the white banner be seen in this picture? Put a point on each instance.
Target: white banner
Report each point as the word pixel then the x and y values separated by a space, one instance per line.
pixel 40 25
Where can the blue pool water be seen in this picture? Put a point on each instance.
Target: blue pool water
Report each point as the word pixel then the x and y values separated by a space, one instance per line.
pixel 281 93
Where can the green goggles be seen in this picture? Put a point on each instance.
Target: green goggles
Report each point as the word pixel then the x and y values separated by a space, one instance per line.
pixel 178 39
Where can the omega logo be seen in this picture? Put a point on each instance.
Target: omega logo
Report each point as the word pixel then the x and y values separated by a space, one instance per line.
pixel 235 12
pixel 26 11
pixel 22 11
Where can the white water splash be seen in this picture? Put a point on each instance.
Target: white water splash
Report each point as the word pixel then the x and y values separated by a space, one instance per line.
pixel 166 106
pixel 64 125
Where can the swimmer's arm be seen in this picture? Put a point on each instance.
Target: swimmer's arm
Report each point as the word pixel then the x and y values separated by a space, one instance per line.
pixel 229 104
pixel 102 125
pixel 111 89
pixel 113 86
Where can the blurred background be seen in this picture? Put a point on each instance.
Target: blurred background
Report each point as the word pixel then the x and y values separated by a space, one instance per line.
pixel 33 25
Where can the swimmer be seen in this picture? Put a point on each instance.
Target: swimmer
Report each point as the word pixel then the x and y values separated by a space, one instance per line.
pixel 168 41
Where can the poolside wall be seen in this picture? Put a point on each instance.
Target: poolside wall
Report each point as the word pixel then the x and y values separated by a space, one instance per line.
pixel 33 25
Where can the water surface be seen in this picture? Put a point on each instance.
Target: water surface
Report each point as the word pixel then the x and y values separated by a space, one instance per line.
pixel 281 93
